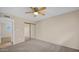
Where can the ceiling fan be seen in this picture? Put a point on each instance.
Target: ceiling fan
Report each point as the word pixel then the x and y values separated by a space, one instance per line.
pixel 37 10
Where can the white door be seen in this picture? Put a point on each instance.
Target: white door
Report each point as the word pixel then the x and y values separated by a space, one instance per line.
pixel 27 31
pixel 33 31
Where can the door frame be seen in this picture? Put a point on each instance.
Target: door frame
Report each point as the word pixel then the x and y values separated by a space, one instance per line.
pixel 29 28
pixel 13 33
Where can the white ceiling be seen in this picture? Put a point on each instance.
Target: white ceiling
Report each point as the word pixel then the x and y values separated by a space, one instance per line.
pixel 50 11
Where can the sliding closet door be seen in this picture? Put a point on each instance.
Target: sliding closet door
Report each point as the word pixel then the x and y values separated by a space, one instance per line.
pixel 33 31
pixel 27 31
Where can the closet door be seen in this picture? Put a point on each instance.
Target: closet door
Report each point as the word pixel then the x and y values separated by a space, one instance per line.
pixel 27 31
pixel 33 31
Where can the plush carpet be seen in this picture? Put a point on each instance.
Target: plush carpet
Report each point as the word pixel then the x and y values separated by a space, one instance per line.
pixel 34 45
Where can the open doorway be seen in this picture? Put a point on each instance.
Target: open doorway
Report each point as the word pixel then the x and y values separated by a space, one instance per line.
pixel 6 32
pixel 29 31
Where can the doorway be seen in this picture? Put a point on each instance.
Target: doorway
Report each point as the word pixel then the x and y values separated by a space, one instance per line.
pixel 29 31
pixel 6 32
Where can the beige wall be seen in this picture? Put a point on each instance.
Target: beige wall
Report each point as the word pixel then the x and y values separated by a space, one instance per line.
pixel 62 30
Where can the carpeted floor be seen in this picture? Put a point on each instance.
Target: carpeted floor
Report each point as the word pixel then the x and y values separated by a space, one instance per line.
pixel 37 46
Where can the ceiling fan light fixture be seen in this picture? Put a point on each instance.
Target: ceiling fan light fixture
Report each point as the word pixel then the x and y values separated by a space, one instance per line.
pixel 36 13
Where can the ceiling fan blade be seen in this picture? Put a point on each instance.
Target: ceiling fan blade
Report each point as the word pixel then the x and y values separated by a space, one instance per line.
pixel 42 8
pixel 28 12
pixel 41 13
